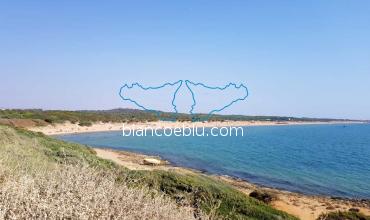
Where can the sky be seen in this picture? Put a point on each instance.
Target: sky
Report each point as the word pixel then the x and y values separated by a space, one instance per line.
pixel 297 58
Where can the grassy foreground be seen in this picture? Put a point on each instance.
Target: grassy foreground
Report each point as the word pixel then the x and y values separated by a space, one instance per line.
pixel 41 177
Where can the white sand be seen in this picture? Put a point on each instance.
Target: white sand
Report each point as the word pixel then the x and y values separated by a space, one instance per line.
pixel 68 128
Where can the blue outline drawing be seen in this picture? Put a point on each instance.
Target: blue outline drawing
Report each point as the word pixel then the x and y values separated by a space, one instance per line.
pixel 147 88
pixel 187 82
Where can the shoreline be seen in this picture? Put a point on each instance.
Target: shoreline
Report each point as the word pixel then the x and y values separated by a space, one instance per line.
pixel 70 128
pixel 305 207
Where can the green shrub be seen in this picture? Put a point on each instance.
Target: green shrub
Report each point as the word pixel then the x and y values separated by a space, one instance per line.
pixel 85 123
pixel 208 195
pixel 262 196
pixel 49 120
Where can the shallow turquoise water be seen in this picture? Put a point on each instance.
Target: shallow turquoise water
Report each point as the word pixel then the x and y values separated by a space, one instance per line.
pixel 313 159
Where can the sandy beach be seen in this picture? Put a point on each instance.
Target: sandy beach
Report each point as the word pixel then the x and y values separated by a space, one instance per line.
pixel 69 128
pixel 304 207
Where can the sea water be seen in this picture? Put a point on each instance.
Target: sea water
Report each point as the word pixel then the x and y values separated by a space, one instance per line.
pixel 326 159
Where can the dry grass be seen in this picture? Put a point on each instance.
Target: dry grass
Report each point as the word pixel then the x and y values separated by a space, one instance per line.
pixel 75 192
pixel 32 186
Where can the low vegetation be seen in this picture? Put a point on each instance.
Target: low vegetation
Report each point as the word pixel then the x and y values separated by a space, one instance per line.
pixel 85 123
pixel 343 216
pixel 85 118
pixel 78 192
pixel 262 196
pixel 205 194
pixel 41 177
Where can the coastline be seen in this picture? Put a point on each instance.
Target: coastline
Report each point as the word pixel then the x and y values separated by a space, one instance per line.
pixel 305 207
pixel 70 128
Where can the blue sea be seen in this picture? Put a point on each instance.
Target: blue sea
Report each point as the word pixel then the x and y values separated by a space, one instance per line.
pixel 331 160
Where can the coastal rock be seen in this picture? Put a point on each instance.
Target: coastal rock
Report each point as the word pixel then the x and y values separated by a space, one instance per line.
pixel 152 161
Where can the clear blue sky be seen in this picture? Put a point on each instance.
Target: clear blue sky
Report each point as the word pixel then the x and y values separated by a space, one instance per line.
pixel 298 58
